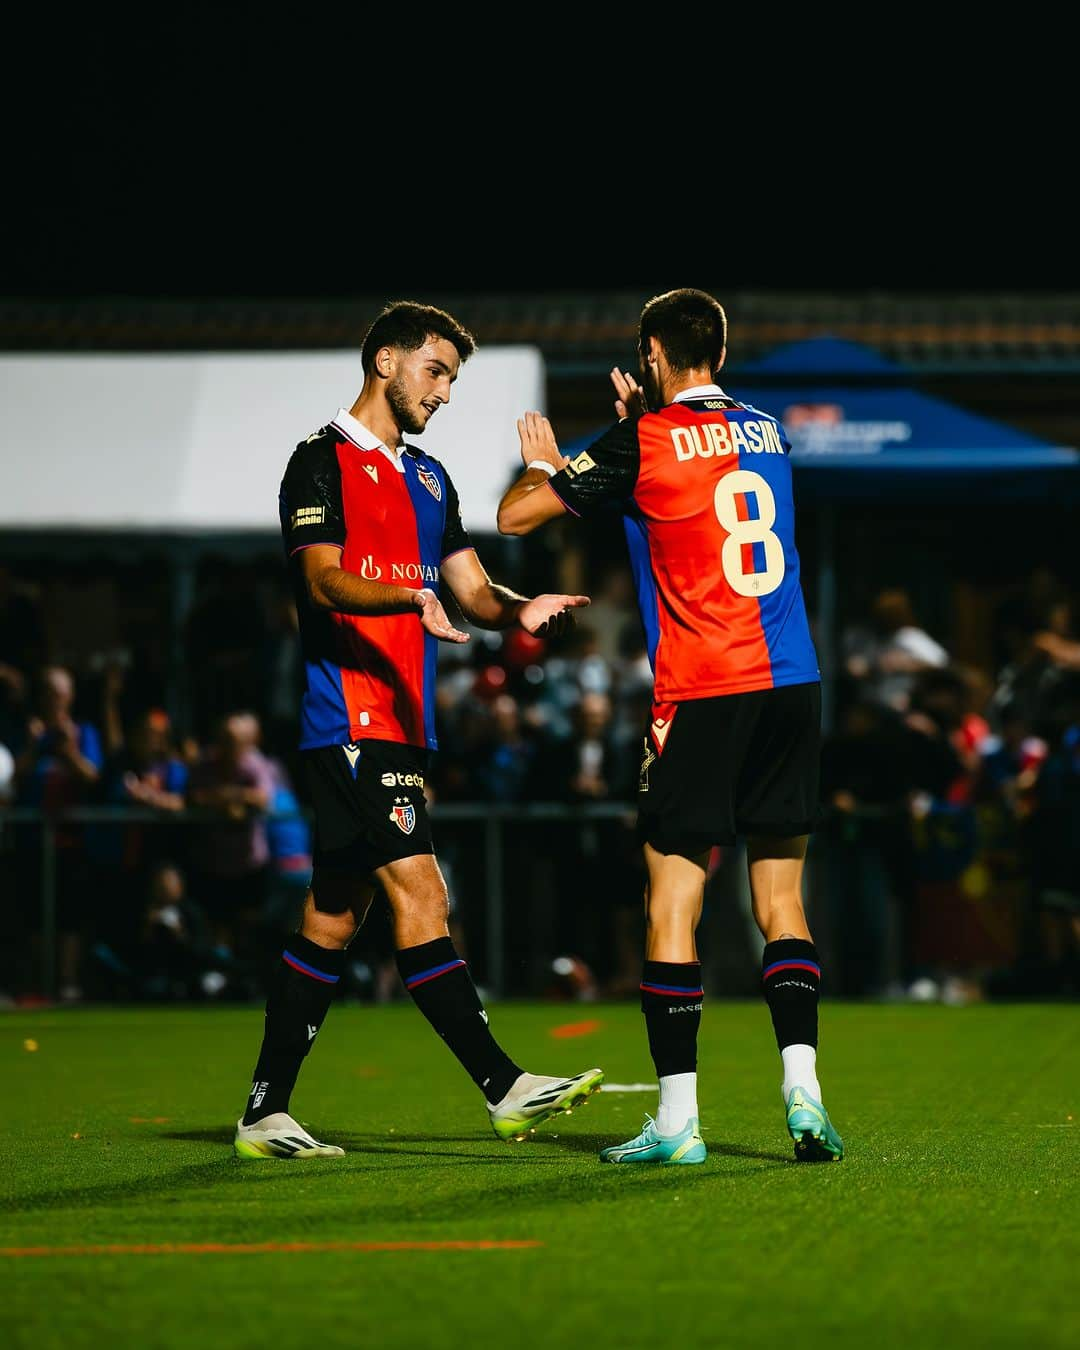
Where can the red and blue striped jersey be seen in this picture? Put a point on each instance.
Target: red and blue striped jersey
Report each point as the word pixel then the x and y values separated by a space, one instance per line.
pixel 395 519
pixel 705 488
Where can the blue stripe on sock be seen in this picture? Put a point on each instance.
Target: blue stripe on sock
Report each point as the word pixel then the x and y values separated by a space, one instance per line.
pixel 295 961
pixel 422 975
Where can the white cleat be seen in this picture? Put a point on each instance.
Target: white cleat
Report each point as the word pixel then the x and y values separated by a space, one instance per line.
pixel 279 1136
pixel 534 1099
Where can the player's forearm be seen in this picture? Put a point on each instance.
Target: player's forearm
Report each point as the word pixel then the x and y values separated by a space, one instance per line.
pixel 346 593
pixel 492 606
pixel 84 768
pixel 514 515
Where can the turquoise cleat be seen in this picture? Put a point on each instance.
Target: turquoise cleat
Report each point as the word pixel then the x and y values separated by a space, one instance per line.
pixel 650 1147
pixel 809 1125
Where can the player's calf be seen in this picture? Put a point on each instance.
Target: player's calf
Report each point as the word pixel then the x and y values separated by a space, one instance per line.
pixel 791 979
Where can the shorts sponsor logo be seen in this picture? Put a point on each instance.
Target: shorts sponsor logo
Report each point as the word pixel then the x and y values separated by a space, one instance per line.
pixel 389 780
pixel 402 780
pixel 643 773
pixel 308 515
pixel 404 815
pixel 431 482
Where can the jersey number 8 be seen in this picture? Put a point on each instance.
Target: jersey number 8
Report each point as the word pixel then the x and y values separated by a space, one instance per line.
pixel 735 557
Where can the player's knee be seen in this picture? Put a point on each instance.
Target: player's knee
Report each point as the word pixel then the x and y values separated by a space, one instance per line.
pixel 429 904
pixel 329 930
pixel 668 911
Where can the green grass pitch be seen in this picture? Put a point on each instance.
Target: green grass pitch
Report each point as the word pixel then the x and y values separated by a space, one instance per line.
pixel 953 1221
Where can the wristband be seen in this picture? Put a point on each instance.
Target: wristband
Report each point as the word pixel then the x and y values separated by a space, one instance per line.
pixel 549 469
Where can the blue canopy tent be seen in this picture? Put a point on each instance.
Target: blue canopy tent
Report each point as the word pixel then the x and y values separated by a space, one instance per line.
pixel 860 432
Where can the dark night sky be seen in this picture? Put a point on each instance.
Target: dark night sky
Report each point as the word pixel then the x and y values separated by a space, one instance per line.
pixel 162 172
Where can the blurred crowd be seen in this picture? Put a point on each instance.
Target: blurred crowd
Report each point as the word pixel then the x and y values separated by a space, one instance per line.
pixel 947 864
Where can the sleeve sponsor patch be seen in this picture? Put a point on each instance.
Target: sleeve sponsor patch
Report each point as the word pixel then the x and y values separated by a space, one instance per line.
pixel 582 464
pixel 307 515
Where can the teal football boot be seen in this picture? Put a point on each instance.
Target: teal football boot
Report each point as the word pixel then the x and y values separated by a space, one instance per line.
pixel 651 1147
pixel 809 1125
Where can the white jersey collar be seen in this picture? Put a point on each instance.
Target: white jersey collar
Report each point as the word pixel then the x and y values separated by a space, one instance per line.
pixel 364 439
pixel 699 391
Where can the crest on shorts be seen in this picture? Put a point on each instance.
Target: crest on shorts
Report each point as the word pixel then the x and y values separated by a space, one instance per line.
pixel 431 482
pixel 404 816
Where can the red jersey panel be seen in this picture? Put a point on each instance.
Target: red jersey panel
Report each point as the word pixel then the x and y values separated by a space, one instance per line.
pixel 369 677
pixel 705 487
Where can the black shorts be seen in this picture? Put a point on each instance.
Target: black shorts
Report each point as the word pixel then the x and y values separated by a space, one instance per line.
pixel 369 805
pixel 741 764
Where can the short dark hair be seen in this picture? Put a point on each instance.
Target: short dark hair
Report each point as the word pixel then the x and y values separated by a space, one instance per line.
pixel 690 325
pixel 408 325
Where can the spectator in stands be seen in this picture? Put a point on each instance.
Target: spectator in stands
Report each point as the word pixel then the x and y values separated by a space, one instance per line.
pixel 867 778
pixel 504 772
pixel 613 604
pixel 585 766
pixel 1055 834
pixel 12 705
pixel 7 775
pixel 596 873
pixel 59 767
pixel 284 680
pixel 952 732
pixel 885 659
pixel 174 943
pixel 144 773
pixel 230 860
pixel 226 639
pixel 22 632
pixel 288 835
pixel 1044 670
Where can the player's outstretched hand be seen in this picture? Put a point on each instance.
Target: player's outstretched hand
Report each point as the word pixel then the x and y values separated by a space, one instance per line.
pixel 550 615
pixel 433 618
pixel 629 396
pixel 538 441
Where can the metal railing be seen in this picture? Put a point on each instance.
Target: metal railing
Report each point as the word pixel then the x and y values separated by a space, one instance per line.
pixel 492 817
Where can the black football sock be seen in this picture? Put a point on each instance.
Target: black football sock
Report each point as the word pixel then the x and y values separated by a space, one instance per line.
pixel 671 996
pixel 442 989
pixel 790 976
pixel 301 992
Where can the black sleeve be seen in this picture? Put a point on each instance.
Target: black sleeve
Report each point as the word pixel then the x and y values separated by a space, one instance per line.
pixel 455 535
pixel 606 472
pixel 310 500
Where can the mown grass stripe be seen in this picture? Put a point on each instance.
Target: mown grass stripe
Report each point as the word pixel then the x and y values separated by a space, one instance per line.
pixel 257 1248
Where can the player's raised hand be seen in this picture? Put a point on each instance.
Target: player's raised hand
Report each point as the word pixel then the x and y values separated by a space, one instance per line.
pixel 629 396
pixel 433 618
pixel 538 441
pixel 550 615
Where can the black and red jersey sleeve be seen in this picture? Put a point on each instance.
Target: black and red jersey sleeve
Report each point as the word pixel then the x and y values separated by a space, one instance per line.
pixel 455 535
pixel 604 473
pixel 309 503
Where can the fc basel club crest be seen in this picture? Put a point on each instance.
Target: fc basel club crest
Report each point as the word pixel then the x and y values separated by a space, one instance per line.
pixel 404 817
pixel 431 482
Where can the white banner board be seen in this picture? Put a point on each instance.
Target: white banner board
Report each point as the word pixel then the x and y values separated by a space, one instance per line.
pixel 196 442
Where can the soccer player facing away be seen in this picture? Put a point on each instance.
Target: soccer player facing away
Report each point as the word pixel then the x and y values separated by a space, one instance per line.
pixel 732 748
pixel 371 525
